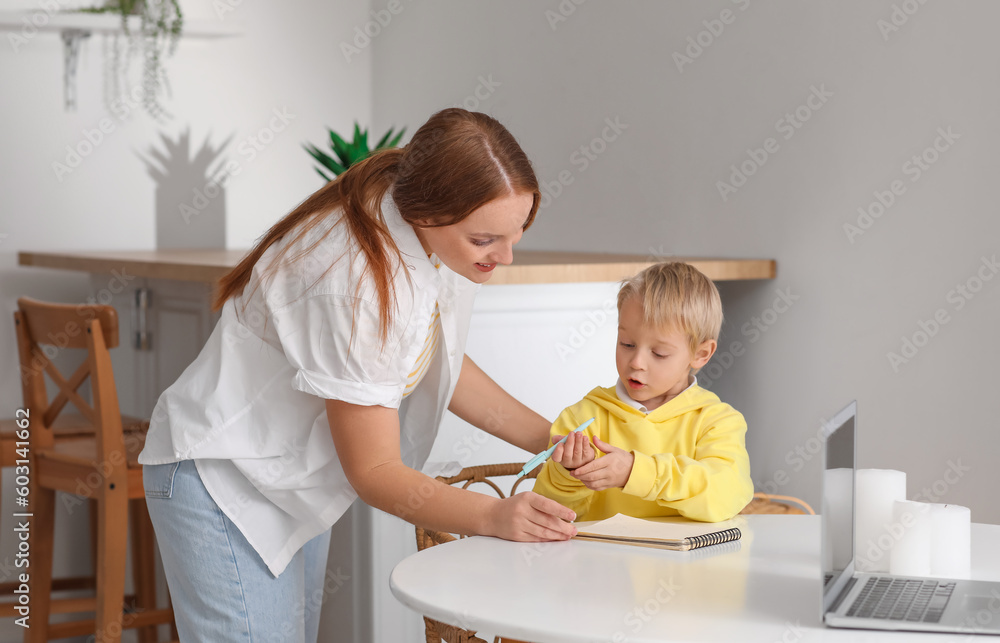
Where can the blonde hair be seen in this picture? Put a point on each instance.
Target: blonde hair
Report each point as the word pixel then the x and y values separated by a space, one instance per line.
pixel 678 296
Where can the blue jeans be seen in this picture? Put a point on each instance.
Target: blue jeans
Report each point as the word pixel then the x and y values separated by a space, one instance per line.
pixel 220 589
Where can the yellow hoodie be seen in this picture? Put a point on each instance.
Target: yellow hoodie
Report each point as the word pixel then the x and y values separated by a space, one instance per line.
pixel 690 458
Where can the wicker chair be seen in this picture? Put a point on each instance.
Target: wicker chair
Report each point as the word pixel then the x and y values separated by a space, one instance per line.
pixel 764 503
pixel 436 631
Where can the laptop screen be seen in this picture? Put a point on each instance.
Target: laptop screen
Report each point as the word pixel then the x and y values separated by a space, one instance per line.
pixel 838 503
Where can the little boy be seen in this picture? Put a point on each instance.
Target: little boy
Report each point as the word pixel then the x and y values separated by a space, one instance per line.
pixel 668 447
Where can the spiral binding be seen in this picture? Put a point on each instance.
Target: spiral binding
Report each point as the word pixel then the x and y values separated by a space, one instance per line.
pixel 715 538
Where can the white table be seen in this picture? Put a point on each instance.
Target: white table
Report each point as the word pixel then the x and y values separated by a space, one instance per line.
pixel 765 587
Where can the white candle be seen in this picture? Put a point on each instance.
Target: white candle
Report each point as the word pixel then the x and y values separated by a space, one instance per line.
pixel 951 541
pixel 910 554
pixel 838 490
pixel 877 490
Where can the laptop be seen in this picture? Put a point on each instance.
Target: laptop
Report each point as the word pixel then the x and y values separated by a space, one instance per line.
pixel 881 601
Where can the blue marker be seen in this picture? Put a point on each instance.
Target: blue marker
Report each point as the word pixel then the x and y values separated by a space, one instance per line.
pixel 546 454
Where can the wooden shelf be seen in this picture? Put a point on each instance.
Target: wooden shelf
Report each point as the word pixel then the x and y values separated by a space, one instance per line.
pixel 543 266
pixel 95 23
pixel 529 267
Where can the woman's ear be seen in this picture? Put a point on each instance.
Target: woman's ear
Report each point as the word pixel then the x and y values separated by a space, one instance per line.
pixel 703 353
pixel 421 237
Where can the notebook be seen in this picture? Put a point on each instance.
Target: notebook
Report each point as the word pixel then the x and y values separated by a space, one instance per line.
pixel 882 601
pixel 675 533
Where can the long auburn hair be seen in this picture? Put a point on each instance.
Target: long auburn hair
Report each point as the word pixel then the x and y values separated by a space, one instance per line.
pixel 456 162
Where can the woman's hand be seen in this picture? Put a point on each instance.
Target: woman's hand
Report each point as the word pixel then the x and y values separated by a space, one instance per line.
pixel 529 517
pixel 367 443
pixel 574 452
pixel 610 471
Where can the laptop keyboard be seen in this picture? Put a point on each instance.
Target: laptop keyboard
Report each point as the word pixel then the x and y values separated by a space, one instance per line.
pixel 897 599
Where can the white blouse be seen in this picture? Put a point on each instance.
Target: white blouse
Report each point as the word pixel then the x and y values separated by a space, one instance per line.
pixel 250 409
pixel 430 346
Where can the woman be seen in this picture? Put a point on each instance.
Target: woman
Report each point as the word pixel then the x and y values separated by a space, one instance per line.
pixel 339 347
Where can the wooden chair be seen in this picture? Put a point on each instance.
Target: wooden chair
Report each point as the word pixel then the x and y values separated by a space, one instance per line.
pixel 435 631
pixel 765 503
pixel 75 427
pixel 102 467
pixel 66 426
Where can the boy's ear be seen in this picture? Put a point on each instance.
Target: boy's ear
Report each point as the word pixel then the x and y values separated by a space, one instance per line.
pixel 703 353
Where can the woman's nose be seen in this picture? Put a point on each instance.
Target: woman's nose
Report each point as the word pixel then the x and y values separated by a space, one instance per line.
pixel 504 254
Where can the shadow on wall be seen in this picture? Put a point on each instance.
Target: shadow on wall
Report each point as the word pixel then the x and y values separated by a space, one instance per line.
pixel 190 192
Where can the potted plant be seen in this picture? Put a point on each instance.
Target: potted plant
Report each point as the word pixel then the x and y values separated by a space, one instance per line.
pixel 347 154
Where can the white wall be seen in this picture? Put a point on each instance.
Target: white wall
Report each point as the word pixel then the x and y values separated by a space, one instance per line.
pixel 653 190
pixel 288 58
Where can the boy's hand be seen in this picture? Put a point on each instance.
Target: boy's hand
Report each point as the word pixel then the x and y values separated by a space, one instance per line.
pixel 609 471
pixel 574 452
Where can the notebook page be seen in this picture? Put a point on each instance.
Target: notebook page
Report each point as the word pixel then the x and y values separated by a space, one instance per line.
pixel 671 528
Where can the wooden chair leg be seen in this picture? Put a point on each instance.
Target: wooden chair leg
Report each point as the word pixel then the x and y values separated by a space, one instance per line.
pixel 143 565
pixel 92 516
pixel 43 506
pixel 6 455
pixel 112 539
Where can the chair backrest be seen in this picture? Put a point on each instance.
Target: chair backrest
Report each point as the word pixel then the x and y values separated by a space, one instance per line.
pixel 44 330
pixel 766 503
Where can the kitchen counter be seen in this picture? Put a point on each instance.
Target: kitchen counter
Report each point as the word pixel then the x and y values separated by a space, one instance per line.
pixel 529 267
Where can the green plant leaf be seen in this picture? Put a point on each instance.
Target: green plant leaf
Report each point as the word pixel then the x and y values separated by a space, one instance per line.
pixel 358 150
pixel 349 153
pixel 382 141
pixel 324 160
pixel 336 168
pixel 395 142
pixel 316 153
pixel 340 147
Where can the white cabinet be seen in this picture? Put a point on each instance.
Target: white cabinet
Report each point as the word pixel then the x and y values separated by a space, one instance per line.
pixel 162 326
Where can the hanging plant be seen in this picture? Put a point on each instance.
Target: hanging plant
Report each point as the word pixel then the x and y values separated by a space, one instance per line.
pixel 160 26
